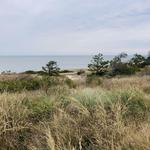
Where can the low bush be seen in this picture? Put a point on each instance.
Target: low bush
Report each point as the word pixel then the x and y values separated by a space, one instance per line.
pixel 123 69
pixel 65 71
pixel 19 85
pixel 40 108
pixel 135 103
pixel 31 72
pixel 53 81
pixel 133 100
pixel 30 83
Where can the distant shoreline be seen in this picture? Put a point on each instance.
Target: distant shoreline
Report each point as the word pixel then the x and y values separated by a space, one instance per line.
pixel 65 62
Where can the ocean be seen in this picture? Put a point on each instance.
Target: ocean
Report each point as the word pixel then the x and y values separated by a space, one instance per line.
pixel 24 63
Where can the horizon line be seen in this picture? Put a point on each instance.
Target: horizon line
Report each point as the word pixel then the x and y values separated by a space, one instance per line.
pixel 46 55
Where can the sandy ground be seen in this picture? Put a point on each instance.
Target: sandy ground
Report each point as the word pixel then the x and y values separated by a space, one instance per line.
pixel 74 76
pixel 71 75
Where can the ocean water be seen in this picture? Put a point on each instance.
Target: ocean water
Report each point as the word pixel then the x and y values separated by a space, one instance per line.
pixel 24 63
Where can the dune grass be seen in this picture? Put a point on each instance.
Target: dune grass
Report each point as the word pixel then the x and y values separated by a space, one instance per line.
pixel 111 116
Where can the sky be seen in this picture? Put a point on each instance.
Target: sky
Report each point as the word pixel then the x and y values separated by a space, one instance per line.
pixel 74 27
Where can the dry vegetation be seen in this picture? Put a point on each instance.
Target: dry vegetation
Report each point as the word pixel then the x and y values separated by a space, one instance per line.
pixel 111 114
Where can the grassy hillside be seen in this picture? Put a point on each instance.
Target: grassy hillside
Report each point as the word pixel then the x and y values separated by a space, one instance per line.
pixel 107 114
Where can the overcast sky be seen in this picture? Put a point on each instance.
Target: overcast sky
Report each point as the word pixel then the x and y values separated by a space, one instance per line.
pixel 60 27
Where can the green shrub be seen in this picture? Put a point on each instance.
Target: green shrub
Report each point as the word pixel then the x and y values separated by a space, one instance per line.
pixel 123 69
pixel 19 84
pixel 30 72
pixel 51 80
pixel 90 98
pixel 138 61
pixel 98 65
pixel 34 83
pixel 65 71
pixel 51 68
pixel 134 101
pixel 40 108
pixel 53 83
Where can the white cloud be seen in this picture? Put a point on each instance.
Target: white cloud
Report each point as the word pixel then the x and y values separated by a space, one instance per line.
pixel 74 26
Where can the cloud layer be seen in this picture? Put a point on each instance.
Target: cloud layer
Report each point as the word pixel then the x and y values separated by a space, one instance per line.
pixel 53 27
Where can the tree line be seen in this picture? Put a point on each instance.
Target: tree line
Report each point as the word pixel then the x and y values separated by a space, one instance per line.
pixel 100 66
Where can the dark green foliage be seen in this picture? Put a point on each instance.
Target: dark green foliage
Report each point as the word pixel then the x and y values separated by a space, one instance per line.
pixel 44 73
pixel 31 72
pixel 65 71
pixel 123 69
pixel 51 68
pixel 138 61
pixel 34 83
pixel 98 65
pixel 117 66
pixel 19 84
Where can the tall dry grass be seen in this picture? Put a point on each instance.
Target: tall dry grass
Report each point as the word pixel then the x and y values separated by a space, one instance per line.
pixel 112 116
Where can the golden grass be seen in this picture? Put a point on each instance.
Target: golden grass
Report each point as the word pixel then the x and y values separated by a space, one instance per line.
pixel 13 76
pixel 112 116
pixel 133 81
